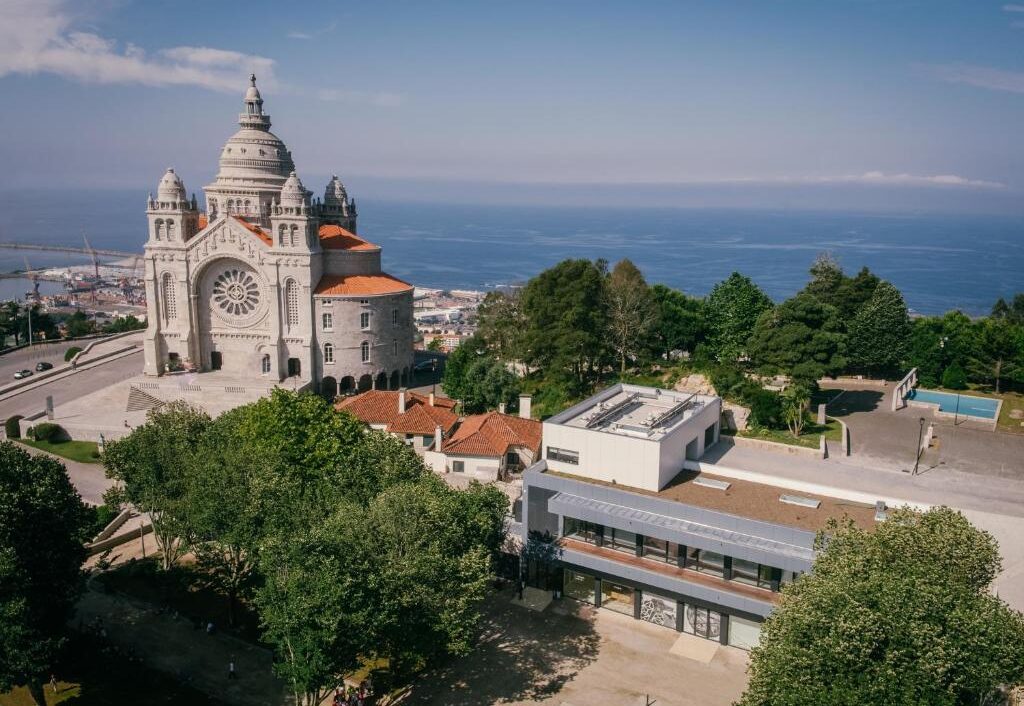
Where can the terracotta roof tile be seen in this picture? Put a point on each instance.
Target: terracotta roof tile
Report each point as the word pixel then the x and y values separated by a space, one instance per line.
pixel 255 230
pixel 350 285
pixel 337 238
pixel 380 407
pixel 492 434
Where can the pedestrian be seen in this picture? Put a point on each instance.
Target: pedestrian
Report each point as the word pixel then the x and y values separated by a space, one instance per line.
pixel 53 682
pixel 231 669
pixel 209 627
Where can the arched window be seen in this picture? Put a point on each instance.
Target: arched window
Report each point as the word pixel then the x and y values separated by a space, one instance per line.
pixel 265 363
pixel 158 229
pixel 282 234
pixel 231 205
pixel 364 350
pixel 167 293
pixel 291 302
pixel 395 346
pixel 328 353
pixel 295 235
pixel 247 205
pixel 213 208
pixel 170 229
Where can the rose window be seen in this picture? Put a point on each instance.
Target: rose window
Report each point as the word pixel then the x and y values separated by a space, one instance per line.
pixel 236 292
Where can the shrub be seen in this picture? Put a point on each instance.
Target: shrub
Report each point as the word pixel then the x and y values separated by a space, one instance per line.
pixel 766 410
pixel 12 428
pixel 71 353
pixel 954 377
pixel 47 431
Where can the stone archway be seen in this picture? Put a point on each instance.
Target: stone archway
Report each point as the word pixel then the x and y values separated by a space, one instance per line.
pixel 347 385
pixel 396 380
pixel 365 382
pixel 329 388
pixel 381 383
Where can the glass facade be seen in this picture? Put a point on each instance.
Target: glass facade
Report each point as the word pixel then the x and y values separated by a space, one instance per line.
pixel 659 610
pixel 705 562
pixel 661 550
pixel 578 585
pixel 617 596
pixel 743 633
pixel 583 531
pixel 620 540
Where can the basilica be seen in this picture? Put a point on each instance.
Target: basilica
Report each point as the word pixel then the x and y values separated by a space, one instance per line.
pixel 269 283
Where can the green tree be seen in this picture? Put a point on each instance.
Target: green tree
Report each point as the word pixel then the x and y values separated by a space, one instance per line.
pixel 566 319
pixel 879 334
pixel 10 325
pixel 501 323
pixel 732 310
pixel 796 402
pixel 680 324
pixel 935 342
pixel 43 525
pixel 78 324
pixel 900 614
pixel 434 345
pixel 995 353
pixel 487 385
pixel 830 286
pixel 124 323
pixel 954 377
pixel 43 325
pixel 1013 312
pixel 802 337
pixel 151 464
pixel 454 383
pixel 631 311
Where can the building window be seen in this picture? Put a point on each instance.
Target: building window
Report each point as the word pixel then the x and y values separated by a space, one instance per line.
pixel 282 234
pixel 754 574
pixel 170 229
pixel 458 466
pixel 364 302
pixel 328 353
pixel 588 532
pixel 158 229
pixel 265 363
pixel 328 302
pixel 364 351
pixel 394 318
pixel 660 610
pixel 620 540
pixel 563 455
pixel 170 303
pixel 328 321
pixel 294 235
pixel 617 596
pixel 661 550
pixel 706 562
pixel 364 320
pixel 291 297
pixel 395 348
pixel 578 585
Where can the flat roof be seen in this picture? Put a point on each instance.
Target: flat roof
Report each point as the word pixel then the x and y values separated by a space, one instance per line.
pixel 752 500
pixel 634 410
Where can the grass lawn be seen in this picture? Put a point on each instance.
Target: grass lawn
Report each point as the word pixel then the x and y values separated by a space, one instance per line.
pixel 808 438
pixel 81 451
pixel 90 676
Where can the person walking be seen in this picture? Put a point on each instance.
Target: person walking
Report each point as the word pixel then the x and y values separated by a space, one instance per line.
pixel 231 669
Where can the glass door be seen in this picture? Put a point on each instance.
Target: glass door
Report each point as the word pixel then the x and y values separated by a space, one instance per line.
pixel 705 623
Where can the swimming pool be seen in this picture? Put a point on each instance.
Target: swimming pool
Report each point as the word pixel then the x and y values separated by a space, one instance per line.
pixel 969 405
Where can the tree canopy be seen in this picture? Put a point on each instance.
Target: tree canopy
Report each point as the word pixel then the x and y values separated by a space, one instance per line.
pixel 802 337
pixel 879 338
pixel 733 308
pixel 898 615
pixel 632 313
pixel 43 525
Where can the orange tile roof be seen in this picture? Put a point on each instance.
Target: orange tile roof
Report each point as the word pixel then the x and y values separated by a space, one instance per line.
pixel 381 407
pixel 255 230
pixel 492 434
pixel 348 285
pixel 337 238
pixel 203 221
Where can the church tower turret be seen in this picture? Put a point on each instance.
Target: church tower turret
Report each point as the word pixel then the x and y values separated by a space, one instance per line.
pixel 337 208
pixel 293 223
pixel 173 218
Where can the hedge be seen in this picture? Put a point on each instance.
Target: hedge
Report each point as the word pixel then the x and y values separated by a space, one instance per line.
pixel 71 353
pixel 12 427
pixel 46 431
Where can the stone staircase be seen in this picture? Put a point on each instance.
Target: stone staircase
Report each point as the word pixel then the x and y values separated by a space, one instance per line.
pixel 140 400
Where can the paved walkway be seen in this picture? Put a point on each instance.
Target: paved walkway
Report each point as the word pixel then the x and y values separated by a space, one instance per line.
pixel 177 647
pixel 89 479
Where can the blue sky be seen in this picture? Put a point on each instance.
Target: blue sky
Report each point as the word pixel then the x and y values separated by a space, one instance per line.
pixel 831 103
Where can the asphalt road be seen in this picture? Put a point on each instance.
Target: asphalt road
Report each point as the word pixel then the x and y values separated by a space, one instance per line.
pixel 73 386
pixel 28 357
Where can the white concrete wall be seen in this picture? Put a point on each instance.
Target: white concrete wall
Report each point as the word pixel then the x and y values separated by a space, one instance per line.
pixel 605 456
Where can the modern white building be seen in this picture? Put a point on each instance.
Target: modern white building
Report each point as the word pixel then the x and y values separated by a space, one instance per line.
pixel 621 514
pixel 270 283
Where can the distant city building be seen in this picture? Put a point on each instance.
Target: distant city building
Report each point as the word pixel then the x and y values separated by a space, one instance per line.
pixel 619 515
pixel 270 283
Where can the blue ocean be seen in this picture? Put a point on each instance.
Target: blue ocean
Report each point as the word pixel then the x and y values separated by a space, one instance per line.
pixel 940 262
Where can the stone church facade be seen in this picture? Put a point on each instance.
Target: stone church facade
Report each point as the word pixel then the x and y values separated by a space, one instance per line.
pixel 270 284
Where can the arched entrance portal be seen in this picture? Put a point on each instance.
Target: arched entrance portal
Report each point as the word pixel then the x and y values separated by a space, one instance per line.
pixel 348 384
pixel 382 382
pixel 365 383
pixel 329 388
pixel 396 381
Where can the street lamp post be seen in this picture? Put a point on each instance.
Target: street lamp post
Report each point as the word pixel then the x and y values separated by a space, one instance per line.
pixel 920 437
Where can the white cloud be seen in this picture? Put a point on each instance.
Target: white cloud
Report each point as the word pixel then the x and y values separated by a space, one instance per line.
pixel 1013 7
pixel 310 34
pixel 978 76
pixel 299 35
pixel 39 36
pixel 383 99
pixel 874 178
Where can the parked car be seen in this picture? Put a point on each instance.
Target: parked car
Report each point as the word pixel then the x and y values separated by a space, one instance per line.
pixel 40 367
pixel 22 374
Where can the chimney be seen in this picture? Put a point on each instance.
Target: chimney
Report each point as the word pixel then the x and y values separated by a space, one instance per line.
pixel 401 400
pixel 438 437
pixel 501 408
pixel 431 398
pixel 525 403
